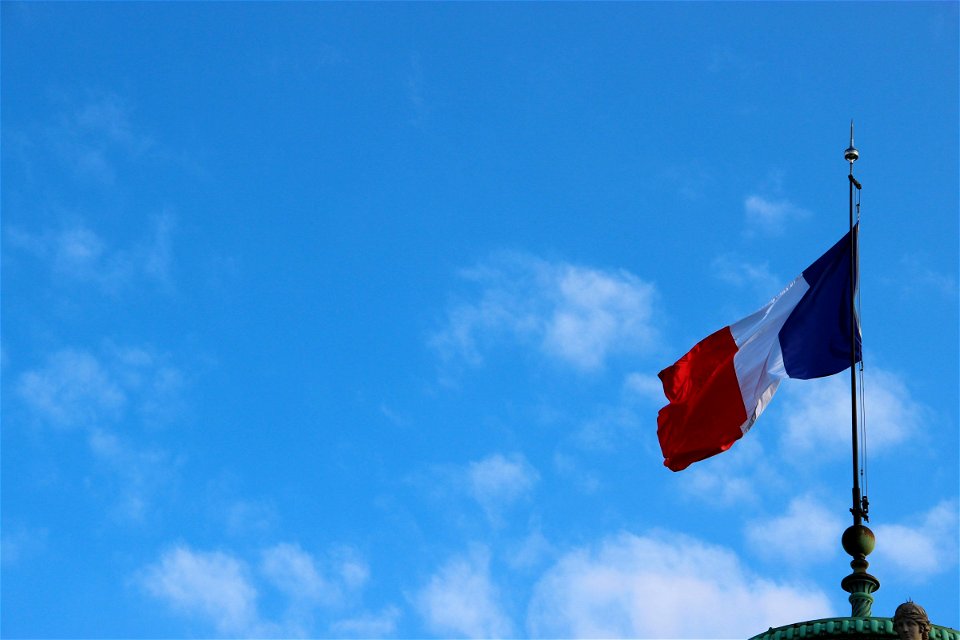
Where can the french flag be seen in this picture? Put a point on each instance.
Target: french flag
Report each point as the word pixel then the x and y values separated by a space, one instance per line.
pixel 719 389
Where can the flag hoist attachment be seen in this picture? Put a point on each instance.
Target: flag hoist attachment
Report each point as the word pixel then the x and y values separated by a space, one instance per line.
pixel 858 540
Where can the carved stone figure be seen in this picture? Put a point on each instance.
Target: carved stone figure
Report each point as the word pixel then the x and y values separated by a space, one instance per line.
pixel 911 622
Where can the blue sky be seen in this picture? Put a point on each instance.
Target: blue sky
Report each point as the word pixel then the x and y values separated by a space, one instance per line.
pixel 344 320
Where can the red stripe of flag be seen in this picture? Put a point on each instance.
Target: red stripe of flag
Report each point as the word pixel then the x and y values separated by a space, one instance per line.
pixel 706 409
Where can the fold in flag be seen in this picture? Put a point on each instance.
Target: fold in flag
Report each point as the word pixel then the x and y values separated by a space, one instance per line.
pixel 719 389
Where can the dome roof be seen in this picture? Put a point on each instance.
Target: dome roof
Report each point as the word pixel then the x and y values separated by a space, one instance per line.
pixel 860 628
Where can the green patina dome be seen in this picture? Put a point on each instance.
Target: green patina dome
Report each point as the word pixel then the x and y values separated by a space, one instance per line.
pixel 860 628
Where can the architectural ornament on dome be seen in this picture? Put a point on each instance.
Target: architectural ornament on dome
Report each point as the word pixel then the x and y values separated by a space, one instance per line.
pixel 910 621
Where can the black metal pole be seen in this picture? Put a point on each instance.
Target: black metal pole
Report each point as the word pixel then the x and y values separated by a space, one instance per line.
pixel 857 540
pixel 857 510
pixel 851 155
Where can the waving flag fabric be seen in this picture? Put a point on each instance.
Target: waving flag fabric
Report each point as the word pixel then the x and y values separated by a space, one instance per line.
pixel 719 389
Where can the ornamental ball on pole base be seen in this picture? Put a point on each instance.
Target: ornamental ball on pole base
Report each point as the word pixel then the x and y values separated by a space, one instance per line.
pixel 859 541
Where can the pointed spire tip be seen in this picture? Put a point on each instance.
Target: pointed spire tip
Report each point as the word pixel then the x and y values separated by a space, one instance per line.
pixel 851 154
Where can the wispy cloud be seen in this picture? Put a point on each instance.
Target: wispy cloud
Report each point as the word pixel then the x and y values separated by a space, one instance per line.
pixel 372 625
pixel 579 316
pixel 691 180
pixel 309 585
pixel 727 61
pixel 813 531
pixel 81 388
pixel 96 137
pixel 922 548
pixel 500 484
pixel 645 387
pixel 243 517
pixel 642 586
pixel 19 542
pixel 815 409
pixel 530 550
pixel 76 253
pixel 101 395
pixel 414 89
pixel 72 389
pixel 498 481
pixel 137 472
pixel 462 600
pixel 607 430
pixel 583 476
pixel 222 589
pixel 156 255
pixel 914 278
pixel 735 477
pixel 294 572
pixel 302 65
pixel 109 117
pixel 771 217
pixel 743 274
pixel 211 585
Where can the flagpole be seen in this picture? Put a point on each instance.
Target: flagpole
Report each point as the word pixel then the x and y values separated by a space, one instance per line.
pixel 858 540
pixel 851 155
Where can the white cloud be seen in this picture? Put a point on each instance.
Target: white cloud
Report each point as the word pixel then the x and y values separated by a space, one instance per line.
pixel 298 574
pixel 93 139
pixel 611 426
pixel 214 586
pixel 577 315
pixel 19 542
pixel 352 571
pixel 583 477
pixel 734 477
pixel 498 481
pixel 395 417
pixel 155 256
pixel 100 395
pixel 294 572
pixel 461 600
pixel 109 117
pixel 770 217
pixel 73 389
pixel 608 429
pixel 915 278
pixel 530 551
pixel 137 472
pixel 244 517
pixel 736 271
pixel 596 312
pixel 923 548
pixel 633 586
pixel 726 61
pixel 645 387
pixel 414 88
pixel 75 253
pixel 717 489
pixel 376 625
pixel 818 414
pixel 77 249
pixel 79 254
pixel 76 388
pixel 219 588
pixel 812 529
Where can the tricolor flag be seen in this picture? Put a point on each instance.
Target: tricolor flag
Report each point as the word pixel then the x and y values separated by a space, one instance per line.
pixel 719 389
